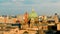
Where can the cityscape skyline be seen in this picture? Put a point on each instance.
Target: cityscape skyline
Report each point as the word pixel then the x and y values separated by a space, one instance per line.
pixel 41 7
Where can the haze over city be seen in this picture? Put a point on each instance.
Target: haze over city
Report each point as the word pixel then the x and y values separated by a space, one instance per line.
pixel 41 7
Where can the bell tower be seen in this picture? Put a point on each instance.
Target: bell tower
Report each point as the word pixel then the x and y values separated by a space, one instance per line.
pixel 56 18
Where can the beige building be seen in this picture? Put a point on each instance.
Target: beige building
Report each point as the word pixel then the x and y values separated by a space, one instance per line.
pixel 7 20
pixel 2 19
pixel 12 20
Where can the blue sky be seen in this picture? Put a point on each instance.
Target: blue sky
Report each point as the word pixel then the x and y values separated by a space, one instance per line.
pixel 42 7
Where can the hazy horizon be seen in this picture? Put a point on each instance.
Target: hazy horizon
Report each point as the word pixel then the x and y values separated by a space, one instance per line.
pixel 41 7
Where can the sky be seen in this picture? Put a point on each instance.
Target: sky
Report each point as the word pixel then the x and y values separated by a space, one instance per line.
pixel 41 7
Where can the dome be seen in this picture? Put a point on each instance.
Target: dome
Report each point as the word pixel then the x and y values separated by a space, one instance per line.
pixel 33 14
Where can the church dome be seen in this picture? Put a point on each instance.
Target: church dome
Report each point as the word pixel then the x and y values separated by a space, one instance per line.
pixel 33 14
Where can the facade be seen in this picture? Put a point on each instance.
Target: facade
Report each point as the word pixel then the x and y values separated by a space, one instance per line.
pixel 1 19
pixel 7 20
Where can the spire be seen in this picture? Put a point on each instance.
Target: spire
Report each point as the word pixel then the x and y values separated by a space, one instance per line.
pixel 33 10
pixel 26 12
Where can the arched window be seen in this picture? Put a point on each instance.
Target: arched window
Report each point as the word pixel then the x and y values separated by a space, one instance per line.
pixel 17 21
pixel 25 32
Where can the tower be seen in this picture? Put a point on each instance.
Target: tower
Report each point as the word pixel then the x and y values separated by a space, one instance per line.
pixel 56 18
pixel 26 17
